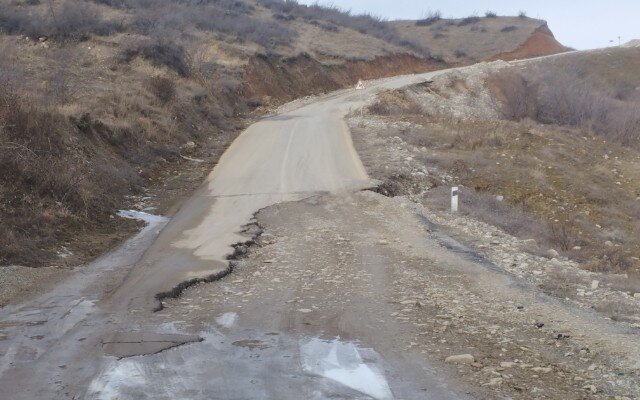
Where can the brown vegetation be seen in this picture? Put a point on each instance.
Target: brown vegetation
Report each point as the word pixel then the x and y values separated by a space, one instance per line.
pixel 562 167
pixel 99 98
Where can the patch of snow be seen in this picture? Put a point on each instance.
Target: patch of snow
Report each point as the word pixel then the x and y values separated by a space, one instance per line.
pixel 64 252
pixel 141 216
pixel 114 380
pixel 342 363
pixel 227 320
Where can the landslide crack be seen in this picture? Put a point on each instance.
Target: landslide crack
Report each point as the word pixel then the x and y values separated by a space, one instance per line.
pixel 241 249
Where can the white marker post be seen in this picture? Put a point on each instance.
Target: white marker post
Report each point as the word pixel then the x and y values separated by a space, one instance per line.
pixel 454 199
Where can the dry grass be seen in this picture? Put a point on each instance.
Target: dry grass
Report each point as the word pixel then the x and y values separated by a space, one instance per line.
pixel 567 96
pixel 566 188
pixel 478 38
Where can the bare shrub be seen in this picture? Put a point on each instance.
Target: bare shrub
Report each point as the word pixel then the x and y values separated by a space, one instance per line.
pixel 77 20
pixel 459 54
pixel 430 18
pixel 522 14
pixel 565 97
pixel 162 87
pixel 509 28
pixel 45 180
pixel 491 14
pixel 439 35
pixel 72 20
pixel 160 51
pixel 379 108
pixel 519 96
pixel 470 20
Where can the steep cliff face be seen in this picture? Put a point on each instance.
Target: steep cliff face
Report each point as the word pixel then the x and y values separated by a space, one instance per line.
pixel 541 43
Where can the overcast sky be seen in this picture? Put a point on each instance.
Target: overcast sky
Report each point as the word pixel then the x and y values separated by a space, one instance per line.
pixel 585 24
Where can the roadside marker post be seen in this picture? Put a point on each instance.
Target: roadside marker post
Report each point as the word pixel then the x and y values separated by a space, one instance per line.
pixel 454 199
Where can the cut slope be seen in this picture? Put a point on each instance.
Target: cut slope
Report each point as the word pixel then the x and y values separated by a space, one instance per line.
pixel 540 43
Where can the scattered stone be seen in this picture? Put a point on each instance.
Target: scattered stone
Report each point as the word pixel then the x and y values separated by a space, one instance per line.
pixel 608 243
pixel 495 382
pixel 542 370
pixel 636 296
pixel 383 242
pixel 595 284
pixel 577 248
pixel 591 388
pixel 305 310
pixel 552 253
pixel 3 336
pixel 507 364
pixel 500 198
pixel 460 359
pixel 190 145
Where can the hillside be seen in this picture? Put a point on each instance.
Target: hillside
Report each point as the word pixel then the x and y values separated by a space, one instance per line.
pixel 116 104
pixel 549 153
pixel 482 38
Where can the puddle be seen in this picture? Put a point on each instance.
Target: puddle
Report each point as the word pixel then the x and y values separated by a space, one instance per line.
pixel 141 216
pixel 227 320
pixel 343 363
pixel 120 374
pixel 251 344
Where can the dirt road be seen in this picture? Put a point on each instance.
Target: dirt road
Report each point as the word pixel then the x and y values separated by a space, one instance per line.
pixel 346 294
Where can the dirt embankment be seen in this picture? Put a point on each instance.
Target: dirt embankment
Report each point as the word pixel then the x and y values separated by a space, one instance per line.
pixel 274 79
pixel 541 43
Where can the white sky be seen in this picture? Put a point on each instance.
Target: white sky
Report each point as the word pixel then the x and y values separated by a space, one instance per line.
pixel 582 24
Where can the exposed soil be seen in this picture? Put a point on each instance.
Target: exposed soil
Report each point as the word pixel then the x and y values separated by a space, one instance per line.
pixel 540 43
pixel 276 80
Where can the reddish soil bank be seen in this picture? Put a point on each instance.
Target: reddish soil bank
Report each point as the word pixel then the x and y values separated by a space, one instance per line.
pixel 285 79
pixel 541 43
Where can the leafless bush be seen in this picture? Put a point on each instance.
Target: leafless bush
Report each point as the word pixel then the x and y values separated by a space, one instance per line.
pixel 163 88
pixel 45 179
pixel 72 20
pixel 509 28
pixel 439 35
pixel 159 51
pixel 566 97
pixel 519 95
pixel 470 20
pixel 522 14
pixel 77 20
pixel 430 18
pixel 491 14
pixel 459 54
pixel 389 103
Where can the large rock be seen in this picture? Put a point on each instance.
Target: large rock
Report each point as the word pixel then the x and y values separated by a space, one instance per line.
pixel 460 359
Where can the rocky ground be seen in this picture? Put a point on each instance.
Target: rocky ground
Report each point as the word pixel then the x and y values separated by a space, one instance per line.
pixel 376 270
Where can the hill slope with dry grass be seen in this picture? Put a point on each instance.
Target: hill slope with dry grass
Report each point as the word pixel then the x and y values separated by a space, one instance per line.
pixel 474 38
pixel 548 152
pixel 111 104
